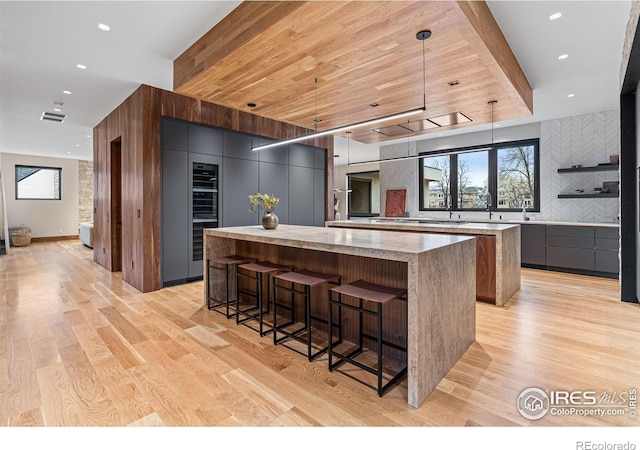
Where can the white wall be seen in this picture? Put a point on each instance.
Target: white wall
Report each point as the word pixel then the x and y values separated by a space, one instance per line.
pixel 47 218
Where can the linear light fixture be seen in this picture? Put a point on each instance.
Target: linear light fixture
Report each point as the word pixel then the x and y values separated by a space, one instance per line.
pixel 339 129
pixel 406 158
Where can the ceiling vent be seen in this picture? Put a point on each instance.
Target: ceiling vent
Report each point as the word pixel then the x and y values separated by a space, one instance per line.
pixel 53 117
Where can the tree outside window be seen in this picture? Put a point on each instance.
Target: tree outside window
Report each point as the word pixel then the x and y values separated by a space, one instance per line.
pixel 516 177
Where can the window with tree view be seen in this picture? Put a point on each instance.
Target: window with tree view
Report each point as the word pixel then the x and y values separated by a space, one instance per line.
pixel 516 177
pixel 38 183
pixel 502 177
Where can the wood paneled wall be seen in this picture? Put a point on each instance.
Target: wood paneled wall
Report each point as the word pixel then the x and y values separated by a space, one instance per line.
pixel 136 122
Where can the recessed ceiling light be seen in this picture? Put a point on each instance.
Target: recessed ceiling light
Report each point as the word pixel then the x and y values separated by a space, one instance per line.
pixel 68 153
pixel 66 92
pixel 104 27
pixel 251 105
pixel 77 145
pixel 555 16
pixel 496 124
pixel 373 105
pixel 87 135
pixel 563 56
pixel 57 109
pixel 81 66
pixel 571 95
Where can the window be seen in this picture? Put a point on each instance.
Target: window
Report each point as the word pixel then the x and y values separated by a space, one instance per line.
pixel 436 182
pixel 473 180
pixel 516 177
pixel 38 183
pixel 502 177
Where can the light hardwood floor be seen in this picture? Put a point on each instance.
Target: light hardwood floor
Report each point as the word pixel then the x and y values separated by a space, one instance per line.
pixel 78 347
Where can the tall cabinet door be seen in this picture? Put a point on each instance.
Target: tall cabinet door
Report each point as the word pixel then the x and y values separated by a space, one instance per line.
pixel 301 195
pixel 175 216
pixel 240 178
pixel 274 180
pixel 204 205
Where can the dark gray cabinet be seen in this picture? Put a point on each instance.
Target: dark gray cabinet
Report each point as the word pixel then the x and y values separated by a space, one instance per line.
pixel 238 145
pixel 585 249
pixel 319 194
pixel 274 180
pixel 301 195
pixel 175 216
pixel 278 155
pixel 533 241
pixel 607 249
pixel 240 179
pixel 301 155
pixel 175 134
pixel 294 173
pixel 571 247
pixel 205 140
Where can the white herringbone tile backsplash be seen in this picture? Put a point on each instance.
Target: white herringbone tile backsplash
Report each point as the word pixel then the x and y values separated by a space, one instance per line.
pixel 588 140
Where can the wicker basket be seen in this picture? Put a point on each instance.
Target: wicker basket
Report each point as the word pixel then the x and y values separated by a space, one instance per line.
pixel 20 236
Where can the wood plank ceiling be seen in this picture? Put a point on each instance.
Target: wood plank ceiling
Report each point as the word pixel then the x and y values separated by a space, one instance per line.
pixel 361 53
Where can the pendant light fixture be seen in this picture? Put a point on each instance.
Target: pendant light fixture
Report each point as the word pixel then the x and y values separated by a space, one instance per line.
pixel 348 133
pixel 422 36
pixel 489 196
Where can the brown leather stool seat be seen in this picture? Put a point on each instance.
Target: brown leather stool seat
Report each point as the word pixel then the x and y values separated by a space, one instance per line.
pixel 304 280
pixel 371 298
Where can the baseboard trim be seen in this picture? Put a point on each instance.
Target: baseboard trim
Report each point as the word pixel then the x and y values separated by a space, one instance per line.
pixel 55 238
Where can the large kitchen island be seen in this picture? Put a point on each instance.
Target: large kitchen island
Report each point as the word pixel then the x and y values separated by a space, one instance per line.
pixel 438 272
pixel 497 249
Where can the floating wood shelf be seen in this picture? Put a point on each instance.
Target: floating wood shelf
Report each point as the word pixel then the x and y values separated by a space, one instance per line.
pixel 600 168
pixel 606 195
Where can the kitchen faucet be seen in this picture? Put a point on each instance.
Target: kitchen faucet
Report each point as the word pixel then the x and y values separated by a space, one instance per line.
pixel 489 204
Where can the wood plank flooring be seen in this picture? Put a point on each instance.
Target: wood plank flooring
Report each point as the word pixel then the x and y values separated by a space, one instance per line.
pixel 78 347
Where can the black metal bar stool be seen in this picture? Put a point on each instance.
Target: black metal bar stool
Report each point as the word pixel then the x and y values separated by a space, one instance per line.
pixel 257 273
pixel 305 280
pixel 224 264
pixel 368 294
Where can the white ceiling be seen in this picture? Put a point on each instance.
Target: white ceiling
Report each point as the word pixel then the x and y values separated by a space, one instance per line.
pixel 41 43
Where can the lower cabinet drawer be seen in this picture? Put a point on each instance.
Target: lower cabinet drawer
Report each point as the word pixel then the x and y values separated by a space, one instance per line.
pixel 571 241
pixel 571 258
pixel 607 261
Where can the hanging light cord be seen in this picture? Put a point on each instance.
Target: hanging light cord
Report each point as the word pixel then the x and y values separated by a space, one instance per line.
pixel 492 103
pixel 424 79
pixel 315 122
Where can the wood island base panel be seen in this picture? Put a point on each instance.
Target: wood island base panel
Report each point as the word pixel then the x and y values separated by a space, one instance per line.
pixel 497 250
pixel 438 272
